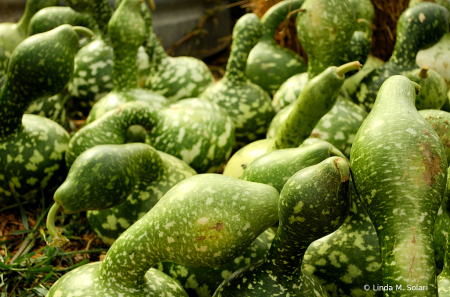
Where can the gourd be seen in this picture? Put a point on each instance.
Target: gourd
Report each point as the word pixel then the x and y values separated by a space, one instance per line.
pixel 313 202
pixel 126 37
pixel 11 34
pixel 194 130
pixel 32 147
pixel 433 89
pixel 269 64
pixel 289 92
pixel 418 27
pixel 249 106
pixel 316 99
pixel 44 20
pixel 400 170
pixel 443 278
pixel 363 9
pixel 339 126
pixel 360 45
pixel 325 29
pixel 173 77
pixel 439 120
pixel 437 55
pixel 92 77
pixel 203 282
pixel 349 258
pixel 105 176
pixel 212 219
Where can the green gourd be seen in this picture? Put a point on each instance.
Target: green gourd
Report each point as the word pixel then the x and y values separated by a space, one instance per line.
pixel 349 258
pixel 206 220
pixel 92 77
pixel 11 34
pixel 317 98
pixel 360 45
pixel 443 278
pixel 105 176
pixel 196 131
pixel 32 147
pixel 269 64
pixel 440 120
pixel 363 9
pixel 289 92
pixel 418 27
pixel 400 171
pixel 433 89
pixel 44 20
pixel 313 203
pixel 339 126
pixel 203 282
pixel 325 29
pixel 276 167
pixel 248 105
pixel 126 37
pixel 173 77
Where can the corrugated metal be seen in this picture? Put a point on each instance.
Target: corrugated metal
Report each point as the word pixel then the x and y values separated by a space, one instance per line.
pixel 172 20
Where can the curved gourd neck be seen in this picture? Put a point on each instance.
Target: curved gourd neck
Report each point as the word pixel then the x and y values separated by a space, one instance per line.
pixel 126 37
pixel 102 13
pixel 404 94
pixel 246 33
pixel 24 21
pixel 277 14
pixel 285 255
pixel 155 50
pixel 12 108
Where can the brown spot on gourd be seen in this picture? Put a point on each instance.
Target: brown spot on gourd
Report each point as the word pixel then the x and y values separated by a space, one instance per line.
pixel 414 235
pixel 314 135
pixel 404 175
pixel 425 131
pixel 432 163
pixel 201 238
pixel 218 227
pixel 445 64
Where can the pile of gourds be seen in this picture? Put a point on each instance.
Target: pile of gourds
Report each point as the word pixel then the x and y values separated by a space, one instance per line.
pixel 284 178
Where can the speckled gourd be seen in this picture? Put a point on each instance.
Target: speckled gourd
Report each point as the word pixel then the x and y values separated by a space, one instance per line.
pixel 440 121
pixel 47 19
pixel 363 9
pixel 317 98
pixel 433 89
pixel 203 282
pixel 32 147
pixel 325 29
pixel 289 92
pixel 418 27
pixel 269 64
pixel 248 105
pixel 126 37
pixel 313 203
pixel 11 34
pixel 339 126
pixel 400 171
pixel 359 46
pixel 443 278
pixel 92 77
pixel 125 181
pixel 206 220
pixel 173 77
pixel 196 131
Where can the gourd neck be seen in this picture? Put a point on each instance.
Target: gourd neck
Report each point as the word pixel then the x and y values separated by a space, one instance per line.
pixel 124 70
pixel 155 50
pixel 277 14
pixel 12 108
pixel 102 13
pixel 404 56
pixel 285 255
pixel 24 21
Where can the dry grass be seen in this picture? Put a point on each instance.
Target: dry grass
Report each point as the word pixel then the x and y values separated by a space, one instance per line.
pixel 386 16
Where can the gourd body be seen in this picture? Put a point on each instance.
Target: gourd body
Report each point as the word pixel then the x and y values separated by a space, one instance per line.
pixel 289 92
pixel 269 64
pixel 194 233
pixel 249 106
pixel 433 89
pixel 33 147
pixel 280 274
pixel 400 170
pixel 325 29
pixel 419 27
pixel 11 34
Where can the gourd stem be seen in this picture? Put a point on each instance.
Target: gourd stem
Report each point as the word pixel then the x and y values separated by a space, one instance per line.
pixel 423 73
pixel 277 14
pixel 58 239
pixel 84 31
pixel 368 26
pixel 151 3
pixel 342 70
pixel 25 19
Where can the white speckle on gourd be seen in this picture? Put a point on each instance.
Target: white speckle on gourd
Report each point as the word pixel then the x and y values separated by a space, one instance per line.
pixel 203 221
pixel 111 223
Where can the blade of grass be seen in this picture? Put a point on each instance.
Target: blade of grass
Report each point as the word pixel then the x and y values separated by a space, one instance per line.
pixel 22 210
